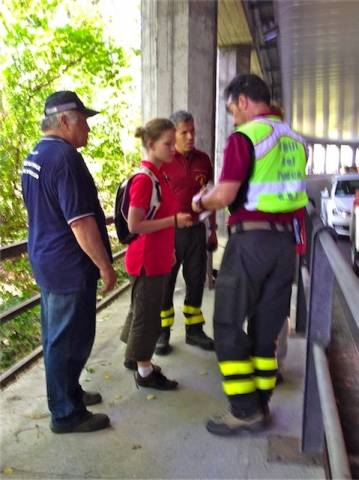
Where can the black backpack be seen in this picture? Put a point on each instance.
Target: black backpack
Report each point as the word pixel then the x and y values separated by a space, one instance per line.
pixel 122 204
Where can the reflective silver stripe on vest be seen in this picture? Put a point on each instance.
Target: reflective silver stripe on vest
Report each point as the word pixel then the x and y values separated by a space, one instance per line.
pixel 279 130
pixel 269 188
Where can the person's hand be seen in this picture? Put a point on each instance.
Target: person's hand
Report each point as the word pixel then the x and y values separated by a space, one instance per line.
pixel 174 259
pixel 110 220
pixel 183 220
pixel 212 242
pixel 109 278
pixel 196 202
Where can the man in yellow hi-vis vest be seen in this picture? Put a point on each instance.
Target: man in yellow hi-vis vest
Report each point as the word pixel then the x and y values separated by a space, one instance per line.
pixel 262 182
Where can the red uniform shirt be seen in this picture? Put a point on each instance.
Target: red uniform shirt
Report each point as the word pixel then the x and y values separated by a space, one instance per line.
pixel 186 175
pixel 152 252
pixel 237 163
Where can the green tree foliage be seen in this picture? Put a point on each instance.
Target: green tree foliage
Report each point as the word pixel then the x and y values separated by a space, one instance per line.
pixel 50 45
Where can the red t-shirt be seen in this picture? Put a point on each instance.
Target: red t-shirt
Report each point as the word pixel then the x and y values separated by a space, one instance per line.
pixel 152 252
pixel 186 175
pixel 237 163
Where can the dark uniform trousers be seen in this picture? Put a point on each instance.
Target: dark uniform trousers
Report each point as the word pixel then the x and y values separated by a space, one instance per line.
pixel 190 245
pixel 254 284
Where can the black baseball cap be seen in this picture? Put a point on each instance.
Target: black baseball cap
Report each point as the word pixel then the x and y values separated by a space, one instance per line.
pixel 66 100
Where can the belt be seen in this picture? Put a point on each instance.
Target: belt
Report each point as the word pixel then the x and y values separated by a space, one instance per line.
pixel 247 225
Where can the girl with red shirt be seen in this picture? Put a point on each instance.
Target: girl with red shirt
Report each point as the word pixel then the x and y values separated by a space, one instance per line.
pixel 150 256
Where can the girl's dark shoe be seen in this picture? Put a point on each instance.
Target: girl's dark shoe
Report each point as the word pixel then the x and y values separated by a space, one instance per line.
pixel 132 365
pixel 155 380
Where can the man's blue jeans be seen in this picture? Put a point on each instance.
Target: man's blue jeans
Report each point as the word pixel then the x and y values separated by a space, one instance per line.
pixel 68 332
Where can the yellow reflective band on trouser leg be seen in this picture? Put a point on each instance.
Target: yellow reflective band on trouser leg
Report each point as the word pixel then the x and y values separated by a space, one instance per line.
pixel 265 383
pixel 167 317
pixel 265 363
pixel 238 387
pixel 191 310
pixel 193 319
pixel 236 367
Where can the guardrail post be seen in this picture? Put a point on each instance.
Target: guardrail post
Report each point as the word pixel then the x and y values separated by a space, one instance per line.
pixel 318 330
pixel 301 307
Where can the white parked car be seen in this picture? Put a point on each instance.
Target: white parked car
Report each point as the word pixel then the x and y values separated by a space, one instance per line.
pixel 336 205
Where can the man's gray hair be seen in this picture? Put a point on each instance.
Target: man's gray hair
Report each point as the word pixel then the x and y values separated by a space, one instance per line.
pixel 181 116
pixel 50 122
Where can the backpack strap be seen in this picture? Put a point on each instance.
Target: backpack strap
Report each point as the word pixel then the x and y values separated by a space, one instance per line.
pixel 156 196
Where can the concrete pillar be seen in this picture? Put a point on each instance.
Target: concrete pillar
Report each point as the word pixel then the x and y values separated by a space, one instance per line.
pixel 230 62
pixel 179 44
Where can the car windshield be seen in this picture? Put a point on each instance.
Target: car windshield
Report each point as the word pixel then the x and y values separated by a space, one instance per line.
pixel 346 187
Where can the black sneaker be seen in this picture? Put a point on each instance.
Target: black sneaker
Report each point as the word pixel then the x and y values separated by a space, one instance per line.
pixel 227 424
pixel 132 365
pixel 91 422
pixel 155 380
pixel 163 346
pixel 91 398
pixel 199 339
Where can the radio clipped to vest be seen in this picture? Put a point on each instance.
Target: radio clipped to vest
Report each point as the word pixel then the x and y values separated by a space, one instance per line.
pixel 122 205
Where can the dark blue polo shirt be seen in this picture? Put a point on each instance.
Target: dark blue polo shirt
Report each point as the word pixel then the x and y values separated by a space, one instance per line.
pixel 58 188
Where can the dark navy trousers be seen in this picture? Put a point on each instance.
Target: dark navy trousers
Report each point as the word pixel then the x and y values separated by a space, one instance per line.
pixel 68 331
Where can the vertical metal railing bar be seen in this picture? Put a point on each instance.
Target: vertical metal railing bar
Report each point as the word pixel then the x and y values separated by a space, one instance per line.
pixel 303 281
pixel 319 326
pixel 337 455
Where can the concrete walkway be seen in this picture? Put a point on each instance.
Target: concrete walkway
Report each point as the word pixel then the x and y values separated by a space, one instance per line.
pixel 153 434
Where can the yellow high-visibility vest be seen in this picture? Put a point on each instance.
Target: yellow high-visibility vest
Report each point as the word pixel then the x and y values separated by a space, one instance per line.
pixel 277 183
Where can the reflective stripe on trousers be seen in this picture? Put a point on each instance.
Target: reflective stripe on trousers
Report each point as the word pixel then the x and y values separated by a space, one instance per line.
pixel 167 317
pixel 247 376
pixel 192 315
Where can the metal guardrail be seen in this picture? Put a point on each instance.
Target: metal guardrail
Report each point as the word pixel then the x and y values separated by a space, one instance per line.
pixel 339 464
pixel 35 300
pixel 328 272
pixel 12 251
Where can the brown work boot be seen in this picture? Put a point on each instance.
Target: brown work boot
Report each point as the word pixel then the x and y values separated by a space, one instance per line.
pixel 227 424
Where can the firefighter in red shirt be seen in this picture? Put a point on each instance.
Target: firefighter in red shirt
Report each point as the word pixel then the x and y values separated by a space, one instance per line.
pixel 189 171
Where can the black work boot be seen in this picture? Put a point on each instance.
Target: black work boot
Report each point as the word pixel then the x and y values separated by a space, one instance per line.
pixel 91 398
pixel 196 336
pixel 90 422
pixel 163 346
